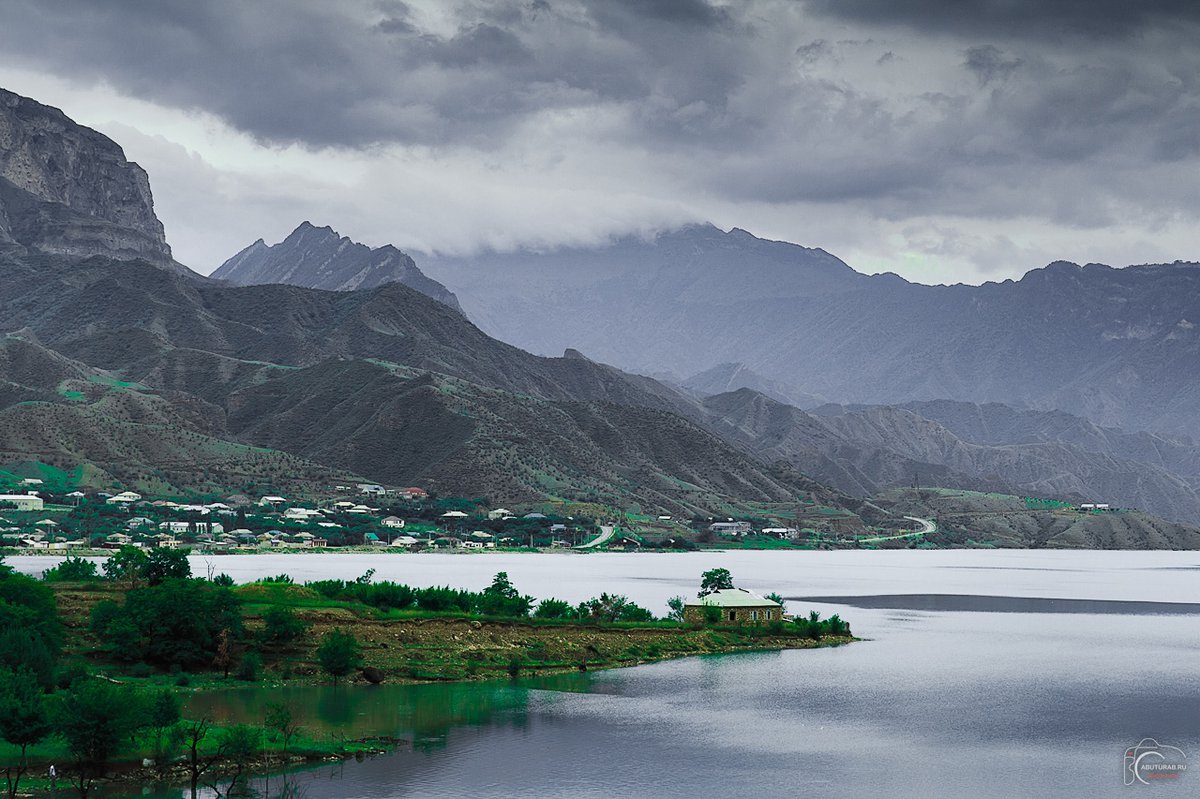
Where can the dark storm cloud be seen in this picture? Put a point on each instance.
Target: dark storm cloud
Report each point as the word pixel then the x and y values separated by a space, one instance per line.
pixel 1080 114
pixel 1024 18
pixel 338 73
pixel 990 63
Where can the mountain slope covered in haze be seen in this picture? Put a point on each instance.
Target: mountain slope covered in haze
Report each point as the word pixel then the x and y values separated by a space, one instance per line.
pixel 388 384
pixel 319 258
pixel 866 450
pixel 1119 347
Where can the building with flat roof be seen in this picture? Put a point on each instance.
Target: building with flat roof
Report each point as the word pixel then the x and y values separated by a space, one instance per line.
pixel 735 606
pixel 24 501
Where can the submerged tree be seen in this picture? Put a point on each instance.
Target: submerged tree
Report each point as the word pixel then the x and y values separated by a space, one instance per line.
pixel 281 721
pixel 94 717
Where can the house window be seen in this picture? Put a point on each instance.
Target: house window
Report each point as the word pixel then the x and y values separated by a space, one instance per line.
pixel 754 615
pixel 732 615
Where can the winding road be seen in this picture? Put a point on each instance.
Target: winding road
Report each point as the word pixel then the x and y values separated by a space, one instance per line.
pixel 927 526
pixel 606 534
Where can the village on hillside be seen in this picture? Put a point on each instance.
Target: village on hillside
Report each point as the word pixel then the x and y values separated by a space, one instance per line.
pixel 39 516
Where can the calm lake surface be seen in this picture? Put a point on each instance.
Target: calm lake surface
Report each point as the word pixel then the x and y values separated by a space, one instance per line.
pixel 987 674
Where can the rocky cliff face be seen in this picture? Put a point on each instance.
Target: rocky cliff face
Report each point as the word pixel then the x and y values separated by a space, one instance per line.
pixel 67 190
pixel 319 258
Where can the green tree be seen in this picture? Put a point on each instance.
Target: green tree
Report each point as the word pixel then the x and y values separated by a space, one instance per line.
pixel 814 625
pixel 241 744
pixel 676 604
pixel 281 626
pixel 249 667
pixel 164 714
pixel 282 722
pixel 167 564
pixel 339 653
pixel 127 564
pixel 94 717
pixel 176 623
pixel 776 597
pixel 23 719
pixel 715 580
pixel 30 629
pixel 613 607
pixel 501 598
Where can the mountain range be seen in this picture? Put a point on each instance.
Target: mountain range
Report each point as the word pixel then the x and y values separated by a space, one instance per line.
pixel 1116 346
pixel 130 369
pixel 140 372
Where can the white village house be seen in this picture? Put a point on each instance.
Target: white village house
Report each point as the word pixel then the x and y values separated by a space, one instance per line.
pixel 25 502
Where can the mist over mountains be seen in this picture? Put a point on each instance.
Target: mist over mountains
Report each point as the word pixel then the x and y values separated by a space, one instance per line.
pixel 1115 346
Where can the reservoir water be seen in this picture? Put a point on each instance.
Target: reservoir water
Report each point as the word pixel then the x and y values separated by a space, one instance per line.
pixel 984 674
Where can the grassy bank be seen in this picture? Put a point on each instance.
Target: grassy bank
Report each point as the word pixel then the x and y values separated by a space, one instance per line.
pixel 118 645
pixel 421 646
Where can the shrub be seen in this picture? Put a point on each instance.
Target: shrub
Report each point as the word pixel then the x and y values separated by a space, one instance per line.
pixel 613 607
pixel 339 653
pixel 554 609
pixel 281 626
pixel 72 569
pixel 249 667
pixel 141 670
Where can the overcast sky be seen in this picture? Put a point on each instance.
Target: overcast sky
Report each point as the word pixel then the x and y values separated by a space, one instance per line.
pixel 940 139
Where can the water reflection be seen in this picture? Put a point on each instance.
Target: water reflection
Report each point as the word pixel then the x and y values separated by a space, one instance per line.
pixel 423 714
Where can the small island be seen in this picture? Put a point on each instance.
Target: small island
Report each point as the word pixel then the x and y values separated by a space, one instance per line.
pixel 97 662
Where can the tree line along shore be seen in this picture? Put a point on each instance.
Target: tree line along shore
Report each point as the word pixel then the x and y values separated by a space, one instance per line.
pixel 96 660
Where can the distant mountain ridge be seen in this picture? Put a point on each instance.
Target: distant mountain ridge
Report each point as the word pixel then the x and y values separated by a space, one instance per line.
pixel 1120 347
pixel 725 377
pixel 866 449
pixel 631 301
pixel 320 258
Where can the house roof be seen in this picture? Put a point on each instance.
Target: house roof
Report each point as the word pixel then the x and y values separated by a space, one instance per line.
pixel 732 598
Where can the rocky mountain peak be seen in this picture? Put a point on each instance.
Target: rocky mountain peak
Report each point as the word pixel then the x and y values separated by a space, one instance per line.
pixel 66 189
pixel 321 258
